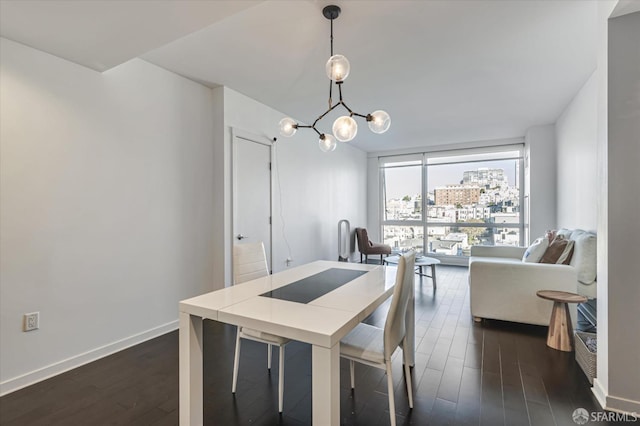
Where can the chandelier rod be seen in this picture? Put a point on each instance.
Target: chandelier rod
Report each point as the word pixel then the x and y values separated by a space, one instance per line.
pixel 330 81
pixel 331 36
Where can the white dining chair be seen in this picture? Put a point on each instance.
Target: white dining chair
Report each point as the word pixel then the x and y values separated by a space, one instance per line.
pixel 249 263
pixel 375 346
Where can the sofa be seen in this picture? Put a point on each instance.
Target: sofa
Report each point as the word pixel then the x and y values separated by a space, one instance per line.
pixel 502 286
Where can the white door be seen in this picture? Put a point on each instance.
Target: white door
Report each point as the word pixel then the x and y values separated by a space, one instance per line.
pixel 252 193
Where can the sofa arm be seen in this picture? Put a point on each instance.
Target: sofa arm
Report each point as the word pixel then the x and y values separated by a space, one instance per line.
pixel 506 290
pixel 498 251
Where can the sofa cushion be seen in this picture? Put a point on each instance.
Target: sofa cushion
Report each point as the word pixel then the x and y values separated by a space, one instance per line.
pixel 536 250
pixel 584 256
pixel 565 232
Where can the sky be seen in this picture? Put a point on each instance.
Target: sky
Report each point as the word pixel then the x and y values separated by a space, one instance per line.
pixel 403 181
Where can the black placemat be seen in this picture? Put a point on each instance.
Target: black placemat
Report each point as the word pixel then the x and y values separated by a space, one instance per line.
pixel 310 288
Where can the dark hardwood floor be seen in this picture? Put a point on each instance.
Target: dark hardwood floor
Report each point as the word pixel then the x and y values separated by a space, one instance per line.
pixel 494 373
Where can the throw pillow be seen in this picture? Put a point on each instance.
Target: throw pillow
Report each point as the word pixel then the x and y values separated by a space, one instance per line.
pixel 550 234
pixel 567 254
pixel 558 248
pixel 536 250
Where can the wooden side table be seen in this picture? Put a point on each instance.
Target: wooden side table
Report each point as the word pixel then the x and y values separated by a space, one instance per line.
pixel 560 334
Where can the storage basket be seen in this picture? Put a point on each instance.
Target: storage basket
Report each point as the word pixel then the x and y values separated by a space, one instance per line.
pixel 585 358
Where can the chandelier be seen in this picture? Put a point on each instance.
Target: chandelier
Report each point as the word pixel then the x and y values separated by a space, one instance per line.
pixel 345 127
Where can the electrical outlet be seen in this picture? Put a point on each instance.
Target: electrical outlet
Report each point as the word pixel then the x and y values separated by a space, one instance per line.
pixel 288 261
pixel 31 321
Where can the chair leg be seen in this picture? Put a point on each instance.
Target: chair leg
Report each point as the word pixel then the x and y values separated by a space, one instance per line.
pixel 366 258
pixel 281 380
pixel 392 405
pixel 407 377
pixel 236 362
pixel 360 257
pixel 269 357
pixel 353 376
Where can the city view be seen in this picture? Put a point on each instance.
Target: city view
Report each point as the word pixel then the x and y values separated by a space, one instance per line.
pixel 465 205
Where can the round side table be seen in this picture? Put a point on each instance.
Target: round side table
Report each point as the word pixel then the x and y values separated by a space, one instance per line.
pixel 560 335
pixel 421 261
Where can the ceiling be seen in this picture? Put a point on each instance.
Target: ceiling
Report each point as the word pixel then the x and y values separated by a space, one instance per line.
pixel 446 71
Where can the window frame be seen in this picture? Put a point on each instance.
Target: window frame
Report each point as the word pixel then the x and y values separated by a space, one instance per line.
pixel 501 151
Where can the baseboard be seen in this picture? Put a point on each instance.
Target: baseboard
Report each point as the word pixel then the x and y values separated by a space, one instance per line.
pixel 612 403
pixel 600 393
pixel 622 405
pixel 60 367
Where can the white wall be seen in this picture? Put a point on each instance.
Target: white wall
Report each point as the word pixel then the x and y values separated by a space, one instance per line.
pixel 576 138
pixel 540 156
pixel 316 189
pixel 105 220
pixel 374 209
pixel 221 172
pixel 617 385
pixel 601 382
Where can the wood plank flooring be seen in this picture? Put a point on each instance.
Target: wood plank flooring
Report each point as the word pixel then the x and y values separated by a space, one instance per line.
pixel 494 373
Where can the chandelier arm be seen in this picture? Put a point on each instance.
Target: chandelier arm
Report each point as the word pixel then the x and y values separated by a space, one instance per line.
pixel 351 112
pixel 325 113
pixel 310 127
pixel 330 91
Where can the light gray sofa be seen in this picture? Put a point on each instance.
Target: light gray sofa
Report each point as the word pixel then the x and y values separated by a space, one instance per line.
pixel 504 287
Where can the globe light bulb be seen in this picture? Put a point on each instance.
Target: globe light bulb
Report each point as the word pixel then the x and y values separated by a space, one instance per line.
pixel 288 127
pixel 327 143
pixel 379 121
pixel 337 68
pixel 345 128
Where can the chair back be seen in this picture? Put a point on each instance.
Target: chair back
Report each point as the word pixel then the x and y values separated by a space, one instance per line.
pixel 395 327
pixel 363 240
pixel 249 262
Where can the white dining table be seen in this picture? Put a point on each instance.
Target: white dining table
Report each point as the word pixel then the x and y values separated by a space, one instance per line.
pixel 321 322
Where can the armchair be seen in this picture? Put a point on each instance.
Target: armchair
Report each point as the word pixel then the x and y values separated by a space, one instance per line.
pixel 366 247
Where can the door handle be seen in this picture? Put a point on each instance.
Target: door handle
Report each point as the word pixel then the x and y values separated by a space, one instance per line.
pixel 241 237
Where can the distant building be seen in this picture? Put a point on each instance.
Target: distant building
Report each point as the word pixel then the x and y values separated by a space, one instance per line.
pixel 457 194
pixel 468 213
pixel 450 248
pixel 485 177
pixel 452 245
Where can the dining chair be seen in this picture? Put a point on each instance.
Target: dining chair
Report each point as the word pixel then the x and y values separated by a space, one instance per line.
pixel 249 263
pixel 375 346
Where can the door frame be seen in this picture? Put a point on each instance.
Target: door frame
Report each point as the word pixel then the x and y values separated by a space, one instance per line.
pixel 262 140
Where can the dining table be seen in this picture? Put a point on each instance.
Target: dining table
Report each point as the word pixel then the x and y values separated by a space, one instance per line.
pixel 316 303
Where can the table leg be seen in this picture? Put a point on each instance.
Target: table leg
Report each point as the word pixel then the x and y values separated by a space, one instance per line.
pixel 190 354
pixel 433 275
pixel 560 335
pixel 325 385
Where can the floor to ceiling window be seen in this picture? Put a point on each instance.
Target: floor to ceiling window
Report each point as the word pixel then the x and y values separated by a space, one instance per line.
pixel 442 203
